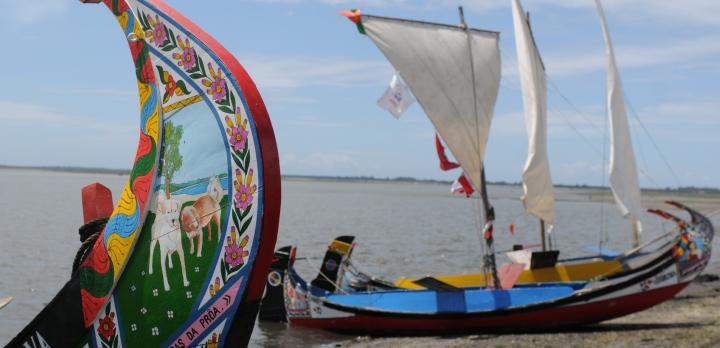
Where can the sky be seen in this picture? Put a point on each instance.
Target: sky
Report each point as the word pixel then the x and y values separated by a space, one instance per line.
pixel 69 96
pixel 203 154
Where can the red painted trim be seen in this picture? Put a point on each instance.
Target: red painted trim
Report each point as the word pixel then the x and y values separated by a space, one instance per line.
pixel 547 318
pixel 268 151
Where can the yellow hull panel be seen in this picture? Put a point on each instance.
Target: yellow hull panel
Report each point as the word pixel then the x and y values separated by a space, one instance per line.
pixel 560 273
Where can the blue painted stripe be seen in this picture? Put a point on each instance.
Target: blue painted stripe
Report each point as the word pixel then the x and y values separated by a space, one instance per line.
pixel 122 225
pixel 470 300
pixel 149 108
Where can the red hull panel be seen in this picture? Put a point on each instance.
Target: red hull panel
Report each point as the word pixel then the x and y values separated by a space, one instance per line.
pixel 546 318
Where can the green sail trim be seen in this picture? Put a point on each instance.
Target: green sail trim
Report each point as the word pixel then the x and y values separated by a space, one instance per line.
pixel 361 28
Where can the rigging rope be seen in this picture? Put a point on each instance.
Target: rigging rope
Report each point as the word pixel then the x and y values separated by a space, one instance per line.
pixel 652 141
pixel 603 233
pixel 573 106
pixel 508 84
pixel 642 171
pixel 320 272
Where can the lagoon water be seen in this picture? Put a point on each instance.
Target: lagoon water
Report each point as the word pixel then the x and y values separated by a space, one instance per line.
pixel 409 229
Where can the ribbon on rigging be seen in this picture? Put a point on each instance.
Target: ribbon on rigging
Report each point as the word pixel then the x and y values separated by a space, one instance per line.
pixel 462 186
pixel 445 163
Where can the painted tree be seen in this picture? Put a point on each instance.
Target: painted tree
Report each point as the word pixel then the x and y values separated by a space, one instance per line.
pixel 172 159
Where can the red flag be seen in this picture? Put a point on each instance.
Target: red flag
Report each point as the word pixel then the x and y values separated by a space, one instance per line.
pixel 445 164
pixel 462 185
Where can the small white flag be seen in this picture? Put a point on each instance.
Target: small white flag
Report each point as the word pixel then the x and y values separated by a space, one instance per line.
pixel 397 97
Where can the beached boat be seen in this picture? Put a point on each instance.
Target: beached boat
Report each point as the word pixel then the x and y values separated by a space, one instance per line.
pixel 457 87
pixel 182 258
pixel 646 280
pixel 454 72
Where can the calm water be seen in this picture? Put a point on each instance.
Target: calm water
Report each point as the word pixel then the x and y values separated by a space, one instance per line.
pixel 401 229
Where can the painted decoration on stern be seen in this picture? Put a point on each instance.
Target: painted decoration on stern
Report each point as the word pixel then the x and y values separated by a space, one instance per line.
pixel 192 257
pixel 183 258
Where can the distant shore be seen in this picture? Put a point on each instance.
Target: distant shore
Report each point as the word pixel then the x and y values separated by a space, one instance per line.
pixel 598 192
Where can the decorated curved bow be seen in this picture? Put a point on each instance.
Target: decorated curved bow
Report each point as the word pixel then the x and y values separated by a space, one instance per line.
pixel 112 301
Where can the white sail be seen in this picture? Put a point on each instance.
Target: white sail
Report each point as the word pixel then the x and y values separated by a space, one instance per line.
pixel 624 180
pixel 437 61
pixel 539 197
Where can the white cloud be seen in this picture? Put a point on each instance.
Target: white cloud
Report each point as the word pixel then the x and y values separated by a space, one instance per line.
pixel 356 3
pixel 29 113
pixel 512 123
pixel 337 163
pixel 312 122
pixel 295 72
pixel 580 171
pixel 677 52
pixel 693 12
pixel 700 113
pixel 19 116
pixel 39 135
pixel 31 11
pixel 106 92
pixel 370 3
pixel 560 122
pixel 687 11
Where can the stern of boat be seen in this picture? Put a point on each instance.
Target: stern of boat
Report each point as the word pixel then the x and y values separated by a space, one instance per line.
pixel 694 249
pixel 296 292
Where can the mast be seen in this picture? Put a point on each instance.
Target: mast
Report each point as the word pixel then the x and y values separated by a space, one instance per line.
pixel 539 196
pixel 454 73
pixel 542 222
pixel 635 223
pixel 488 212
pixel 624 181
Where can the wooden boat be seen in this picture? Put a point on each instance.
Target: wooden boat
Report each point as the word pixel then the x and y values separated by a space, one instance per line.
pixel 454 73
pixel 457 86
pixel 647 280
pixel 182 258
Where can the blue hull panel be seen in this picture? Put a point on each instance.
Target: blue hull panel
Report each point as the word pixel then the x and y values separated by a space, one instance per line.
pixel 469 300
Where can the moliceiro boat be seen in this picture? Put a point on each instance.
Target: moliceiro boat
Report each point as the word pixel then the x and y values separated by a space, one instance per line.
pixel 646 280
pixel 454 73
pixel 457 87
pixel 181 260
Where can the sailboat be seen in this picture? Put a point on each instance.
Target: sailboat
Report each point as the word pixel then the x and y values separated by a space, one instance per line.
pixel 182 258
pixel 454 73
pixel 538 198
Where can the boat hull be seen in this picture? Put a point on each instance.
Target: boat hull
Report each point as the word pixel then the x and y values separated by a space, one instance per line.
pixel 551 318
pixel 646 281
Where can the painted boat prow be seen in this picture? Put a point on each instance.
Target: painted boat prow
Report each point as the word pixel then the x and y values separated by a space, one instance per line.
pixel 172 268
